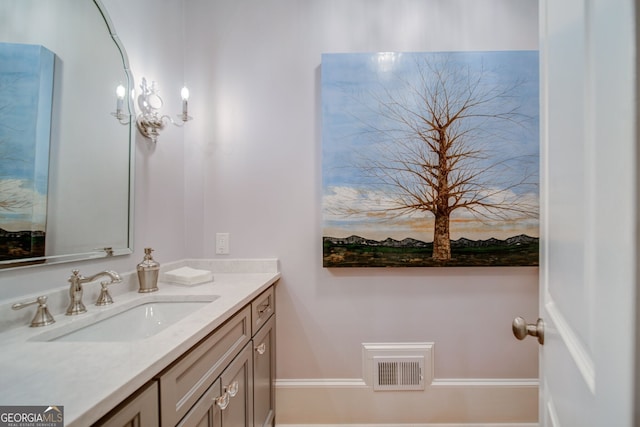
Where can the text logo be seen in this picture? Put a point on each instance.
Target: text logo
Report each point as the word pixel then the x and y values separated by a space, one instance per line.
pixel 32 416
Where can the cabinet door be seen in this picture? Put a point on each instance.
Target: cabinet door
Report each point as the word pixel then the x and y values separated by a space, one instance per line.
pixel 237 383
pixel 206 412
pixel 140 410
pixel 264 375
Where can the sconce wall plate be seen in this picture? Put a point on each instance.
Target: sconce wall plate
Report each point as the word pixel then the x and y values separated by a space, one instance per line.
pixel 149 127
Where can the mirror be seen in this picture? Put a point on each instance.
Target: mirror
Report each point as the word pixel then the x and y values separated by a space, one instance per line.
pixel 89 191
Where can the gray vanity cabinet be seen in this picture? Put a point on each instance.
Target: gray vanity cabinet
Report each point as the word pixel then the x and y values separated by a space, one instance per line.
pixel 264 371
pixel 226 380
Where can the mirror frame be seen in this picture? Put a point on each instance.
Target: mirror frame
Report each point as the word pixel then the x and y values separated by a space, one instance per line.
pixel 106 252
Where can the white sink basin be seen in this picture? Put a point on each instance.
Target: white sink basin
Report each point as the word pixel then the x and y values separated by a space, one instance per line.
pixel 145 319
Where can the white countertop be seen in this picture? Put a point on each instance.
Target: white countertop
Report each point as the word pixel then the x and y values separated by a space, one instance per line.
pixel 91 378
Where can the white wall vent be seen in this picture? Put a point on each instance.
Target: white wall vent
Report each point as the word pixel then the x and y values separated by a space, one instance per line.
pixel 398 373
pixel 397 366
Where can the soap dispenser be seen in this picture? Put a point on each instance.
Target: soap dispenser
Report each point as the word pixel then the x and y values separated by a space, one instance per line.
pixel 148 273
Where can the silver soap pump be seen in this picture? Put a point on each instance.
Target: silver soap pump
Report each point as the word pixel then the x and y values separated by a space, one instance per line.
pixel 148 273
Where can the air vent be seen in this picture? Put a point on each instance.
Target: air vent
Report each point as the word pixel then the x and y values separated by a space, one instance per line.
pixel 398 373
pixel 397 366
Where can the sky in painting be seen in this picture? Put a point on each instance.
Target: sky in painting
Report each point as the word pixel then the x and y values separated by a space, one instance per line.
pixel 352 87
pixel 26 85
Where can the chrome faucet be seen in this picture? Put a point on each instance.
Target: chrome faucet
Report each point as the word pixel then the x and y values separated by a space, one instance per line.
pixel 76 305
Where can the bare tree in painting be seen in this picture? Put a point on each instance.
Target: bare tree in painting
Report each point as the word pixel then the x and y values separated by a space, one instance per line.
pixel 437 149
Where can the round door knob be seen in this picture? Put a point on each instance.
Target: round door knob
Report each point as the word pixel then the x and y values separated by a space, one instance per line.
pixel 521 329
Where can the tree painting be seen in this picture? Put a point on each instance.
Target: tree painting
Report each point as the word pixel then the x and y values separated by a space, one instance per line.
pixel 430 159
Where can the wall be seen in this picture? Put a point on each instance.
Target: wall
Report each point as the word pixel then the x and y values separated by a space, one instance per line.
pixel 258 137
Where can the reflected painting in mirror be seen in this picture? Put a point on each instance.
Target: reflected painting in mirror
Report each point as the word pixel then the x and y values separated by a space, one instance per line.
pixel 26 90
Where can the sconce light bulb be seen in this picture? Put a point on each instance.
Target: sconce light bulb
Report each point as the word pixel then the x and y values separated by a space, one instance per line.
pixel 120 92
pixel 184 93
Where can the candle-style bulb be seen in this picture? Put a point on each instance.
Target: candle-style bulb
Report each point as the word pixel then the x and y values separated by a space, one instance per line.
pixel 184 93
pixel 120 91
pixel 185 109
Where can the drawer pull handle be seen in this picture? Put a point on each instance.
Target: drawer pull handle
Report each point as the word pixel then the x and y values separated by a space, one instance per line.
pixel 223 401
pixel 232 389
pixel 262 308
pixel 261 348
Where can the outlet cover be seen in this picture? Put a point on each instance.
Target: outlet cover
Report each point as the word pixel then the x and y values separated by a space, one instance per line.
pixel 222 243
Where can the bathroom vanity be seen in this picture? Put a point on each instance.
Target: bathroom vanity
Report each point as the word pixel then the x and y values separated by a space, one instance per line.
pixel 214 366
pixel 226 379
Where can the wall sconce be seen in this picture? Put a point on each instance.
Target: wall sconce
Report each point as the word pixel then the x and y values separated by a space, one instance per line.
pixel 149 121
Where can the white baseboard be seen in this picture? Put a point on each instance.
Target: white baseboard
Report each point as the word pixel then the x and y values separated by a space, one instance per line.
pixel 443 403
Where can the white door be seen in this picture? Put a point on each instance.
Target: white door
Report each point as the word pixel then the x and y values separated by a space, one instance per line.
pixel 588 194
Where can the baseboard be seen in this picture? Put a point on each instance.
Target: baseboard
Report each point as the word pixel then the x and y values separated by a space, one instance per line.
pixel 445 402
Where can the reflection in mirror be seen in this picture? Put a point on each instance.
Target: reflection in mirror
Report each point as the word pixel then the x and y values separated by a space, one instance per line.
pixel 88 193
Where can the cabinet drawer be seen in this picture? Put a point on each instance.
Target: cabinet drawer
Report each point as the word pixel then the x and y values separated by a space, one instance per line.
pixel 182 384
pixel 262 308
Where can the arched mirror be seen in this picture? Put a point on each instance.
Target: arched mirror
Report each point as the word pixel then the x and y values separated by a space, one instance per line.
pixel 65 193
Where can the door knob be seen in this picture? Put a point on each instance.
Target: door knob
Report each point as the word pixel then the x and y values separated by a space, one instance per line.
pixel 521 329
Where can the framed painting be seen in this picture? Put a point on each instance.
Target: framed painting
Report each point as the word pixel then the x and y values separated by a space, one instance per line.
pixel 26 91
pixel 430 159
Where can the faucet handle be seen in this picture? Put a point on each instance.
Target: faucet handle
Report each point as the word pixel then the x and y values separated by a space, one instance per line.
pixel 105 296
pixel 42 316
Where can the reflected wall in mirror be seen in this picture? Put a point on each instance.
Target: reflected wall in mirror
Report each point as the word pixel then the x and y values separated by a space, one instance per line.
pixel 89 197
